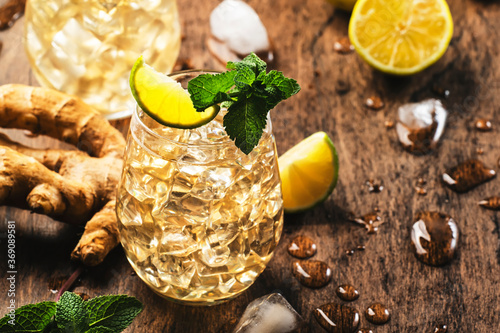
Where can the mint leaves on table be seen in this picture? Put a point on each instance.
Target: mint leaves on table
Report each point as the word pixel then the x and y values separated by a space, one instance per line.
pixel 248 92
pixel 104 314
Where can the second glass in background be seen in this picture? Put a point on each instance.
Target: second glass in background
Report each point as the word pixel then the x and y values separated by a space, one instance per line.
pixel 87 47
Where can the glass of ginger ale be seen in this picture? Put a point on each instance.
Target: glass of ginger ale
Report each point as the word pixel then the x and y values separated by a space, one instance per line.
pixel 87 47
pixel 198 219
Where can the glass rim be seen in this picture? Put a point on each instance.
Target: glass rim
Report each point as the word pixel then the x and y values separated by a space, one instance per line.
pixel 161 137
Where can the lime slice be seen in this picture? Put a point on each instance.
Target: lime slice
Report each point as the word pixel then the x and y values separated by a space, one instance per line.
pixel 164 99
pixel 401 37
pixel 309 172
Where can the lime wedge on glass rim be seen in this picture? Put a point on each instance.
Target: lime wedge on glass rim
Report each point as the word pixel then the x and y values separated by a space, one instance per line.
pixel 164 99
pixel 308 172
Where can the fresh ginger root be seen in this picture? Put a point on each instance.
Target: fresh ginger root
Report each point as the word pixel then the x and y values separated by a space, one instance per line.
pixel 69 185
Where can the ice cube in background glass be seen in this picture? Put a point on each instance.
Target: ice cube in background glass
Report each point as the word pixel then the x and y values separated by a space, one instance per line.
pixel 76 42
pixel 421 125
pixel 269 314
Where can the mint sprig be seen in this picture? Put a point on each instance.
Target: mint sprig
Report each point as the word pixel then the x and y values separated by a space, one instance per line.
pixel 248 93
pixel 104 314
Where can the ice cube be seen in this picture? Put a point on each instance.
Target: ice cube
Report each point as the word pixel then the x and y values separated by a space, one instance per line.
pixel 177 271
pixel 214 255
pixel 76 42
pixel 175 241
pixel 140 186
pixel 247 33
pixel 269 314
pixel 421 125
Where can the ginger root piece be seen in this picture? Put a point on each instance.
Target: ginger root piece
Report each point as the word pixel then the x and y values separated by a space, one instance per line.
pixel 69 185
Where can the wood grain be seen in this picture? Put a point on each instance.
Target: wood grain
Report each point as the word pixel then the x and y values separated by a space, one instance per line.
pixel 465 294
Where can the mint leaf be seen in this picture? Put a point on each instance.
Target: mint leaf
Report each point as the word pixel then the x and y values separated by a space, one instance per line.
pixel 288 87
pixel 248 92
pixel 29 318
pixel 114 312
pixel 71 314
pixel 251 61
pixel 245 122
pixel 52 328
pixel 244 77
pixel 207 90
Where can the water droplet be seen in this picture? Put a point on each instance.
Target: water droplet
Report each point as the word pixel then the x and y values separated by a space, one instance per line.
pixel 467 175
pixel 421 190
pixel 483 125
pixel 302 247
pixel 343 46
pixel 441 91
pixel 342 86
pixel 434 237
pixel 441 329
pixel 374 187
pixel 377 314
pixel 10 11
pixel 389 124
pixel 374 103
pixel 371 221
pixel 492 203
pixel 312 273
pixel 347 293
pixel 421 125
pixel 337 318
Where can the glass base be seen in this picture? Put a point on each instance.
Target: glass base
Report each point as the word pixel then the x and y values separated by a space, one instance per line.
pixel 199 303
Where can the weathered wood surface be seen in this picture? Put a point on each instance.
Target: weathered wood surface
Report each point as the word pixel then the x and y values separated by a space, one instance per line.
pixel 465 295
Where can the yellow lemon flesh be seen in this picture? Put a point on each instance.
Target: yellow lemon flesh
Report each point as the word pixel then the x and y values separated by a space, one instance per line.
pixel 401 37
pixel 309 172
pixel 346 5
pixel 164 99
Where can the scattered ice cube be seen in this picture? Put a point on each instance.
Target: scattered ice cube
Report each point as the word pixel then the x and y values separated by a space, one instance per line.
pixel 269 314
pixel 247 33
pixel 421 125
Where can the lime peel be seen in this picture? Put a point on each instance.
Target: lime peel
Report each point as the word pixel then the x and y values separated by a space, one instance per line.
pixel 164 99
pixel 309 172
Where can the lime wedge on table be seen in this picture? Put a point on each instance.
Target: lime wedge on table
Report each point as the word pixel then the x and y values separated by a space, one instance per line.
pixel 309 172
pixel 164 99
pixel 401 37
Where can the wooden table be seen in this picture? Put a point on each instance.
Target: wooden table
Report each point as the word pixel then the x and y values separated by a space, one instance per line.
pixel 465 295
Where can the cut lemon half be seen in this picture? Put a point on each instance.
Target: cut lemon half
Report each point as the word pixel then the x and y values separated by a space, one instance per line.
pixel 308 172
pixel 164 99
pixel 401 37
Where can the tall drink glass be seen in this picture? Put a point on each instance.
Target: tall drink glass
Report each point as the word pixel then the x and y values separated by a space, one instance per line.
pixel 198 219
pixel 87 47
